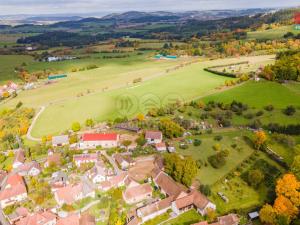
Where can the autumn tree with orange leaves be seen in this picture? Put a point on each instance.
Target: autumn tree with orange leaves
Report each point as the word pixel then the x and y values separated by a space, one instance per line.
pixel 287 203
pixel 260 139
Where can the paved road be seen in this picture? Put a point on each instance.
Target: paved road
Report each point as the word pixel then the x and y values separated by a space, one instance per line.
pixel 32 125
pixel 112 162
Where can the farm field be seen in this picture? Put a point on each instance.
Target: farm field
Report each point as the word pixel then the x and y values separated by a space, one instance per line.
pixel 272 33
pixel 260 94
pixel 207 174
pixel 93 93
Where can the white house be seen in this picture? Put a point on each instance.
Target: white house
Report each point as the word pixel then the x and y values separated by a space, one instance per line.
pixel 60 140
pixel 99 172
pixel 124 161
pixel 153 137
pixel 92 141
pixel 85 158
pixel 19 158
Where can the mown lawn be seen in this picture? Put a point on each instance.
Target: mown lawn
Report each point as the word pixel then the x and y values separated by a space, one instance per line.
pixel 207 174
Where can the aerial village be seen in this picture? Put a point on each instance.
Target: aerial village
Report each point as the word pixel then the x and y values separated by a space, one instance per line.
pixel 93 169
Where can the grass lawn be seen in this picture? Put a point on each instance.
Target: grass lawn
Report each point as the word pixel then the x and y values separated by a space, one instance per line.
pixel 208 174
pixel 260 94
pixel 186 218
pixel 8 64
pixel 272 33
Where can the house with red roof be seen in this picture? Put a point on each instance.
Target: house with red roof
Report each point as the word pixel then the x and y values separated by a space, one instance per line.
pixel 53 159
pixel 161 147
pixel 94 140
pixel 153 137
pixel 77 219
pixel 100 172
pixel 38 218
pixel 119 180
pixel 29 169
pixel 137 193
pixel 14 190
pixel 230 219
pixel 85 158
pixel 72 193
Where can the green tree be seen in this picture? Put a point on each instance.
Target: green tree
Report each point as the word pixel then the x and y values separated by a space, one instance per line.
pixel 89 123
pixel 76 126
pixel 255 177
pixel 295 168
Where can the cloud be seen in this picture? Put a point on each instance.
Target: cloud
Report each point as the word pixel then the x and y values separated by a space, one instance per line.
pixel 84 6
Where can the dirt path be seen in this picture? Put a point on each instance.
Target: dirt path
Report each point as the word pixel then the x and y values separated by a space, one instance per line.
pixel 28 135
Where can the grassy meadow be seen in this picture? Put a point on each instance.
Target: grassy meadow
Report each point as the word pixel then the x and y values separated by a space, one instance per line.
pixel 272 34
pixel 94 93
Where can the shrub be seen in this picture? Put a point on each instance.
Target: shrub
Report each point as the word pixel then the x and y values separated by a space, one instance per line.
pixel 205 189
pixel 259 113
pixel 218 138
pixel 290 110
pixel 197 142
pixel 217 161
pixel 269 108
pixel 249 116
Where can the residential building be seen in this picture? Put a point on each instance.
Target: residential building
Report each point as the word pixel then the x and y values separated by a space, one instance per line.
pixel 85 158
pixel 53 159
pixel 154 209
pixel 161 147
pixel 39 218
pixel 153 137
pixel 19 158
pixel 92 141
pixel 124 161
pixel 99 172
pixel 194 199
pixel 137 193
pixel 19 213
pixel 77 219
pixel 114 182
pixel 29 169
pixel 72 193
pixel 14 190
pixel 59 179
pixel 61 140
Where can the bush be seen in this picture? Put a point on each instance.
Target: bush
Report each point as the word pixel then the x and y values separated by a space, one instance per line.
pixel 269 108
pixel 290 110
pixel 260 113
pixel 205 189
pixel 249 116
pixel 218 138
pixel 218 160
pixel 197 142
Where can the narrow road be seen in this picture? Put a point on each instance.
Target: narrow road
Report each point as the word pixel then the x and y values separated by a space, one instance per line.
pixel 112 162
pixel 28 135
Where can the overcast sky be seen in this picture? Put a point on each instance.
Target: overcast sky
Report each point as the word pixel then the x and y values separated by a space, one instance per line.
pixel 88 6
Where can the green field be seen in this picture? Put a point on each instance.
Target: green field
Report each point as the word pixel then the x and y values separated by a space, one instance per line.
pixel 207 174
pixel 94 93
pixel 275 33
pixel 8 64
pixel 260 94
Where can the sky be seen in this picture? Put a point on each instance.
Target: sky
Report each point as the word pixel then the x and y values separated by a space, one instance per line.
pixel 14 7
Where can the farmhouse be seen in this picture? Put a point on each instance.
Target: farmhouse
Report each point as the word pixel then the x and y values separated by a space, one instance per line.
pixel 155 209
pixel 29 169
pixel 38 218
pixel 124 161
pixel 137 193
pixel 85 158
pixel 153 137
pixel 72 193
pixel 53 159
pixel 114 182
pixel 91 141
pixel 14 190
pixel 59 179
pixel 19 158
pixel 99 172
pixel 194 199
pixel 60 140
pixel 161 147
